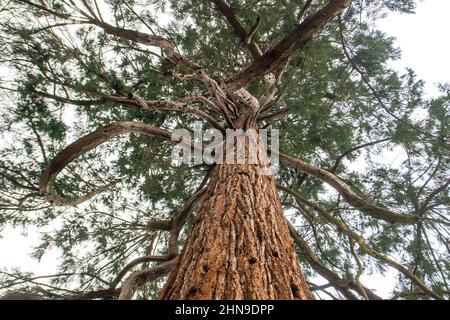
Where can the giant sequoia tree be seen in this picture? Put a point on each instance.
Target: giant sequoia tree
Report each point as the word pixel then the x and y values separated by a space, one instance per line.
pixel 91 91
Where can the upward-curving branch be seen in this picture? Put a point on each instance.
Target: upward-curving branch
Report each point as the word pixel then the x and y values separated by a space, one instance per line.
pixel 83 145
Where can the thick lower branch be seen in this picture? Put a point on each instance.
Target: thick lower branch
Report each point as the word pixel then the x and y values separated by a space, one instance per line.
pixel 139 278
pixel 83 145
pixel 348 194
pixel 136 262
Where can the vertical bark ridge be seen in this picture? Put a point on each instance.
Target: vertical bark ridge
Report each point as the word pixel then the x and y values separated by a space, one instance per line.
pixel 239 246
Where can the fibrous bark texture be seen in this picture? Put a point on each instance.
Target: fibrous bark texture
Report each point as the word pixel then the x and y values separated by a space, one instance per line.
pixel 239 246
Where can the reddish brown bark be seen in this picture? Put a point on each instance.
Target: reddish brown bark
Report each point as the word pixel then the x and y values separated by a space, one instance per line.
pixel 239 246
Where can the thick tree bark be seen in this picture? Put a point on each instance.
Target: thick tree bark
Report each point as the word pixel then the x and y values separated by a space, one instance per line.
pixel 239 246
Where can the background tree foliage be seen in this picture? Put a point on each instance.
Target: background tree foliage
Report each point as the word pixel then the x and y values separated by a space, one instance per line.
pixel 339 106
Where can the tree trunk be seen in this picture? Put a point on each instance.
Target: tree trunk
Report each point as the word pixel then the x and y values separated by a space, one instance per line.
pixel 239 246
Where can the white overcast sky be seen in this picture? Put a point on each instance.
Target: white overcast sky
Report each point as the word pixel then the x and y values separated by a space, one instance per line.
pixel 423 40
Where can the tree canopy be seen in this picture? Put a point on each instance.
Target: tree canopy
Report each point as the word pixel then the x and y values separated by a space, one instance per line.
pixel 92 89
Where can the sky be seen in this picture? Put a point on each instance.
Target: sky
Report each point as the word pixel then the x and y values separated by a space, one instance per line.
pixel 423 40
pixel 424 49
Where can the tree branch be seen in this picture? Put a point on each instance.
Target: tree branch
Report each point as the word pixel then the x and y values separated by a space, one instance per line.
pixel 303 10
pixel 136 262
pixel 169 50
pixel 377 96
pixel 444 187
pixel 83 145
pixel 343 228
pixel 182 105
pixel 349 151
pixel 278 55
pixel 163 225
pixel 139 278
pixel 179 220
pixel 339 283
pixel 247 40
pixel 348 194
pixel 150 40
pixel 76 102
pixel 270 116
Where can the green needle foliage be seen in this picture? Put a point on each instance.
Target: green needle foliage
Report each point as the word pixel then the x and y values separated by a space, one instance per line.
pixel 347 111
